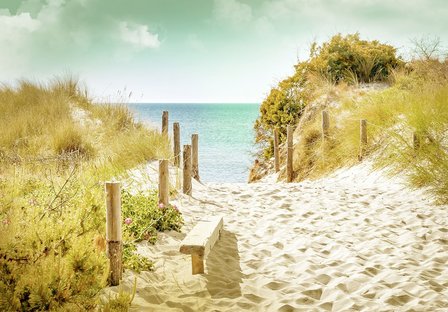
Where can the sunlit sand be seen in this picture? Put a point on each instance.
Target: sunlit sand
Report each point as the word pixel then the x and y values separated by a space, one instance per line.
pixel 353 241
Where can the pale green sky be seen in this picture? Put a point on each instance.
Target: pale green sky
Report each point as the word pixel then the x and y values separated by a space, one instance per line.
pixel 193 50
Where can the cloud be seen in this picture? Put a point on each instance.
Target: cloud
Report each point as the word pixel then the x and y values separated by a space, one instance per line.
pixel 51 36
pixel 138 35
pixel 232 11
pixel 12 25
pixel 31 6
pixel 14 33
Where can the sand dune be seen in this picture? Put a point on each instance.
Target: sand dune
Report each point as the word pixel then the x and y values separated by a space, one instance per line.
pixel 355 241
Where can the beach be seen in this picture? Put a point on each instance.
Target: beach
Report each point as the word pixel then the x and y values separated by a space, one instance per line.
pixel 354 241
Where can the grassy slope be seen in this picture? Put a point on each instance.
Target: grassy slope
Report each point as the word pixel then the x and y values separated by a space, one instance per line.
pixel 55 149
pixel 417 102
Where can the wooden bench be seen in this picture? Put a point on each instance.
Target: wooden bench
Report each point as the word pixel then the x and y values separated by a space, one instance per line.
pixel 200 241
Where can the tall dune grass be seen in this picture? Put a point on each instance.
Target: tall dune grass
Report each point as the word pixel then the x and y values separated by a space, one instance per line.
pixel 56 148
pixel 417 102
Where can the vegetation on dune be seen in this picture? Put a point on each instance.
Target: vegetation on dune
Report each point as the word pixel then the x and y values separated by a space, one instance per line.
pixel 416 101
pixel 56 149
pixel 343 59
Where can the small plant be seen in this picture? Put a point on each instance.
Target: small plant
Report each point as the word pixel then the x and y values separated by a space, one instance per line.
pixel 133 261
pixel 143 218
pixel 119 302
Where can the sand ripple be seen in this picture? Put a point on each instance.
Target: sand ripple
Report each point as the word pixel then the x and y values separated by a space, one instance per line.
pixel 355 241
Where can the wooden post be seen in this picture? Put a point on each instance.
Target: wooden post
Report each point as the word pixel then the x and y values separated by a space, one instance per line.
pixel 187 170
pixel 164 185
pixel 416 140
pixel 195 156
pixel 165 123
pixel 363 138
pixel 325 125
pixel 197 264
pixel 276 151
pixel 176 138
pixel 113 231
pixel 289 160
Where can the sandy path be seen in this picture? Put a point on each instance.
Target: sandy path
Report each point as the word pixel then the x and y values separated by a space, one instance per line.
pixel 352 242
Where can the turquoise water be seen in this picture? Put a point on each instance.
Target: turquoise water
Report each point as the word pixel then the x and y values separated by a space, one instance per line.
pixel 226 136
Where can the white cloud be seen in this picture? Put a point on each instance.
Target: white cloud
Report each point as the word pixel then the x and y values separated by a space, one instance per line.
pixel 14 31
pixel 139 36
pixel 232 11
pixel 31 6
pixel 11 25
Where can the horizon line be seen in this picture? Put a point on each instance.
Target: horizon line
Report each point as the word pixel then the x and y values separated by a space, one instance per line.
pixel 189 102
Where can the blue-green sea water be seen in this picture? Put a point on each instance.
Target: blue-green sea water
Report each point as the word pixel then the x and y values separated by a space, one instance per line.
pixel 226 136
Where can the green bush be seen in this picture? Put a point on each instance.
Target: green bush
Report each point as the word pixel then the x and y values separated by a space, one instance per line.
pixel 47 259
pixel 284 105
pixel 143 218
pixel 350 58
pixel 146 217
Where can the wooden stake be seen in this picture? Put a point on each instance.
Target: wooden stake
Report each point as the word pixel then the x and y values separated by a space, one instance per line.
pixel 197 264
pixel 165 123
pixel 176 137
pixel 164 185
pixel 195 156
pixel 363 138
pixel 416 140
pixel 289 161
pixel 325 125
pixel 113 231
pixel 187 170
pixel 276 151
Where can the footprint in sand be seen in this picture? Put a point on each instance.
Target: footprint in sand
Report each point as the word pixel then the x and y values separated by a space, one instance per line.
pixel 285 206
pixel 278 245
pixel 276 285
pixel 313 293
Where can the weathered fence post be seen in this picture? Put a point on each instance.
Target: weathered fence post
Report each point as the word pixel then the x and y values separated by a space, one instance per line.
pixel 195 156
pixel 290 150
pixel 416 140
pixel 363 138
pixel 176 138
pixel 113 231
pixel 187 170
pixel 276 151
pixel 164 185
pixel 325 125
pixel 165 123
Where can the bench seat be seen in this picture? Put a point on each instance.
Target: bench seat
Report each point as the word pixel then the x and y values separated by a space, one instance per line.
pixel 201 240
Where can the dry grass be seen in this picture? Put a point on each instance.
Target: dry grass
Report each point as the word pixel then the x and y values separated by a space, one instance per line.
pixel 55 149
pixel 416 102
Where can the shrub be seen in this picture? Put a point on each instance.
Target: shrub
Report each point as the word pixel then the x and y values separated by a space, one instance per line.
pixel 143 217
pixel 148 217
pixel 350 57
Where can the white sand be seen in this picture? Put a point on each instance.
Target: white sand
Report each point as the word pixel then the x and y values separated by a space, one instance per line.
pixel 354 241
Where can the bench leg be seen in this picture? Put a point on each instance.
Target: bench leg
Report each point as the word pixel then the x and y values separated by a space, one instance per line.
pixel 197 263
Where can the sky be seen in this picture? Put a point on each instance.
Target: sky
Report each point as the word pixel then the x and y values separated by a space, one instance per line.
pixel 193 50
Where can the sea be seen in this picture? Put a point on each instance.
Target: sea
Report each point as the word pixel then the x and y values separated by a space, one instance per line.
pixel 226 135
